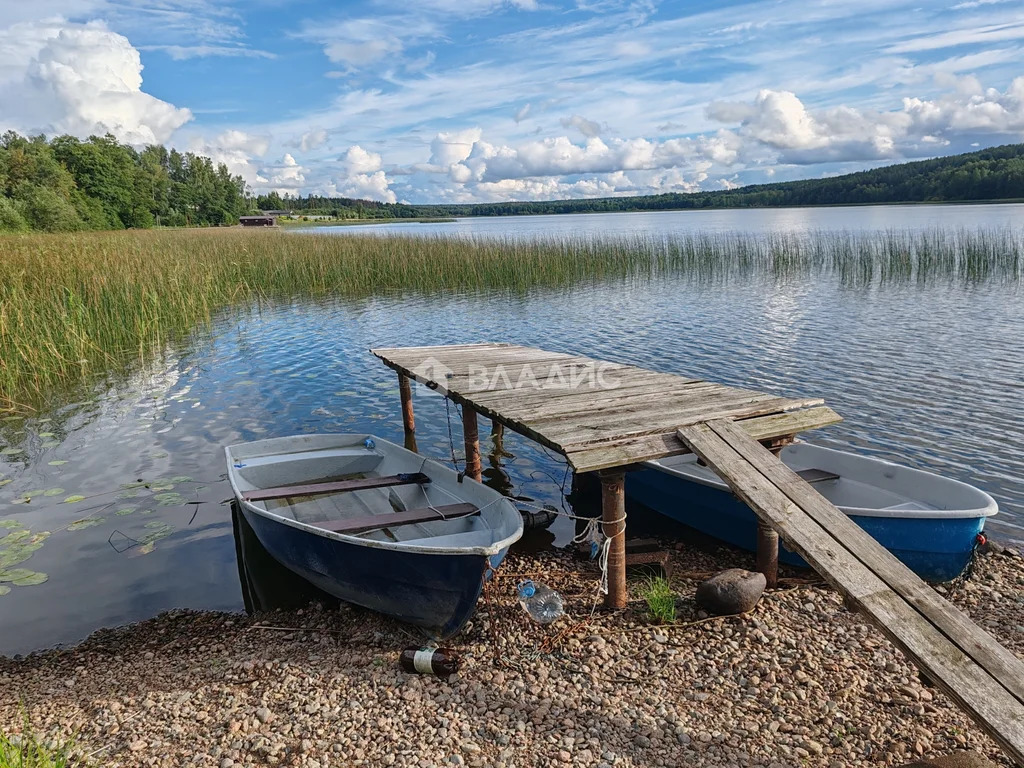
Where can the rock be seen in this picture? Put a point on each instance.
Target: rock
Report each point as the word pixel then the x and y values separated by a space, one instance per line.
pixel 955 760
pixel 731 591
pixel 227 762
pixel 263 714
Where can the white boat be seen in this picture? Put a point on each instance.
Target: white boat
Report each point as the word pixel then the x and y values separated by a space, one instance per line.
pixel 931 523
pixel 374 524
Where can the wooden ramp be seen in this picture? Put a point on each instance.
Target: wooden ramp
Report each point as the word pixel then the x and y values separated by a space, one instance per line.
pixel 985 679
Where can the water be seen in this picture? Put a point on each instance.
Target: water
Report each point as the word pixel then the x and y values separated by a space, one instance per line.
pixel 926 374
pixel 796 221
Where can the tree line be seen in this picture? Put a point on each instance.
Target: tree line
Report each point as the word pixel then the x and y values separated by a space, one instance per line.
pixel 66 184
pixel 988 174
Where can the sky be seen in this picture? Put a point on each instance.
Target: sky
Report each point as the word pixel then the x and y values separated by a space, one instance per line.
pixel 450 101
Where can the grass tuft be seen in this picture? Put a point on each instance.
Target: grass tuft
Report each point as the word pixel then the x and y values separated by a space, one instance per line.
pixel 29 750
pixel 660 599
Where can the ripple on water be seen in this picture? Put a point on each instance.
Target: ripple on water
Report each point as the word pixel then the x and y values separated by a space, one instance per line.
pixel 926 375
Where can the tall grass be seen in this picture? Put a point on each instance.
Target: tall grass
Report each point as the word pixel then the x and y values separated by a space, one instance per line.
pixel 75 306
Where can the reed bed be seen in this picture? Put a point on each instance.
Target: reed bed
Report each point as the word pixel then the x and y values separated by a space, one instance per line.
pixel 74 307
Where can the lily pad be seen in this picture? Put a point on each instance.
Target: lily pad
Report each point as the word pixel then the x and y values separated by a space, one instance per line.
pixel 46 434
pixel 86 522
pixel 53 492
pixel 131 493
pixel 74 498
pixel 9 523
pixel 13 574
pixel 6 481
pixel 146 548
pixel 10 451
pixel 4 589
pixel 30 581
pixel 164 487
pixel 58 463
pixel 157 524
pixel 50 444
pixel 124 511
pixel 181 479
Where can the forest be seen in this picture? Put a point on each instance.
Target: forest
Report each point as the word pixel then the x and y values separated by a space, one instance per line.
pixel 985 175
pixel 65 185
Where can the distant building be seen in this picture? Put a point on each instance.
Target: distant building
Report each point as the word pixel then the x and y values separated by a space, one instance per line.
pixel 257 221
pixel 276 213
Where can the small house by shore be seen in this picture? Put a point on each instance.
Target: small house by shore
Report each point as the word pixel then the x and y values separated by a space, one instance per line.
pixel 257 221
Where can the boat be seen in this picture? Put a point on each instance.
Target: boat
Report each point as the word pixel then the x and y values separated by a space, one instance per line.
pixel 374 524
pixel 931 523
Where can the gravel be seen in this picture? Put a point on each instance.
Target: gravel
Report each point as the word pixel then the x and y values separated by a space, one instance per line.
pixel 798 681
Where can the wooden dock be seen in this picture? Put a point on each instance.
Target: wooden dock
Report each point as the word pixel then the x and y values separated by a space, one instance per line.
pixel 605 417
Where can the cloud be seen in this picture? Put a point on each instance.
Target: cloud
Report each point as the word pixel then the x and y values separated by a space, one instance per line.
pixel 522 113
pixel 779 120
pixel 452 147
pixel 587 127
pixel 363 186
pixel 182 52
pixel 81 79
pixel 357 160
pixel 313 139
pixel 237 150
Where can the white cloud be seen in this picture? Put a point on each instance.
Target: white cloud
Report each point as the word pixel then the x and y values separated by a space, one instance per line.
pixel 587 127
pixel 452 147
pixel 237 150
pixel 357 160
pixel 182 52
pixel 60 77
pixel 313 139
pixel 364 186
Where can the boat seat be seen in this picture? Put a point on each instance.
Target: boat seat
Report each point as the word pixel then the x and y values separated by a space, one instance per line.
pixel 479 538
pixel 817 475
pixel 338 486
pixel 408 517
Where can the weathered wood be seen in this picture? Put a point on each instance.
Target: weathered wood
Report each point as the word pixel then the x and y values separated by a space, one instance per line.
pixel 393 520
pixel 337 486
pixel 946 657
pixel 613 525
pixel 471 435
pixel 974 640
pixel 405 392
pixel 768 554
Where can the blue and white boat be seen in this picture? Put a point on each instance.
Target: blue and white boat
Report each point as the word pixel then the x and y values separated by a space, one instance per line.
pixel 929 522
pixel 375 524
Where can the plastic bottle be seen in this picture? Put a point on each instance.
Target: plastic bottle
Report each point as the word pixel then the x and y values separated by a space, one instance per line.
pixel 429 661
pixel 542 603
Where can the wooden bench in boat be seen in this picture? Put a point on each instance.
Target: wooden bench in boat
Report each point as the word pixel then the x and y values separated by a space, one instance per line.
pixel 337 486
pixel 394 519
pixel 816 475
pixel 984 679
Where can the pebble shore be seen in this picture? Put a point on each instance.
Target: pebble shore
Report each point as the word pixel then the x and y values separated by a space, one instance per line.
pixel 799 681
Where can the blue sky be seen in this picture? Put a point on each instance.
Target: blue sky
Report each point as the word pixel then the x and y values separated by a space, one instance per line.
pixel 480 100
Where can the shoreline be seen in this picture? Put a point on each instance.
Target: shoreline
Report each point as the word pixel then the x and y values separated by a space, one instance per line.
pixel 798 681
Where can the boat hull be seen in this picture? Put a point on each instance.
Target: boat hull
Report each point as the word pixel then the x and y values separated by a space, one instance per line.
pixel 438 592
pixel 937 549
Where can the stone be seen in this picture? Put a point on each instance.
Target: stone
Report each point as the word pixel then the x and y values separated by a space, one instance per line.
pixel 731 591
pixel 963 759
pixel 263 714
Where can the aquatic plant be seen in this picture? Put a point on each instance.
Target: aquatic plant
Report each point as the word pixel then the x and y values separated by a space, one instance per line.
pixel 76 308
pixel 660 599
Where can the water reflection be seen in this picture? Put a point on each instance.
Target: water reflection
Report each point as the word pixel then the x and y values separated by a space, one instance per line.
pixel 924 375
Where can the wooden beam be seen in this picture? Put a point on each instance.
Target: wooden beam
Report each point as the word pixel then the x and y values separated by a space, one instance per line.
pixel 472 439
pixel 405 391
pixel 337 486
pixel 395 519
pixel 613 523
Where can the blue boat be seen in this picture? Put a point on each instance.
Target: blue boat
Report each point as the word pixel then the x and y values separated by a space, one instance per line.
pixel 374 524
pixel 931 523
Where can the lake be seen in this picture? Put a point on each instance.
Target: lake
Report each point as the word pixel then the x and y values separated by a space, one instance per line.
pixel 927 373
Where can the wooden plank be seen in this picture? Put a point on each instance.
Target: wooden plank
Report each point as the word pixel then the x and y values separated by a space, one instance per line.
pixel 634 399
pixel 408 517
pixel 976 691
pixel 581 435
pixel 977 643
pixel 338 486
pixel 603 456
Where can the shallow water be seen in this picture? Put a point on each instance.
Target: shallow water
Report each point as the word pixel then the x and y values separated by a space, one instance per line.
pixel 930 375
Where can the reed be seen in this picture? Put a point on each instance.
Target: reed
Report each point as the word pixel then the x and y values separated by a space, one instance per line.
pixel 75 307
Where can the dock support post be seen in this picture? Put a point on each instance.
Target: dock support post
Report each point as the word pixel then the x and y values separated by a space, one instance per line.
pixel 768 554
pixel 767 538
pixel 405 390
pixel 472 438
pixel 613 513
